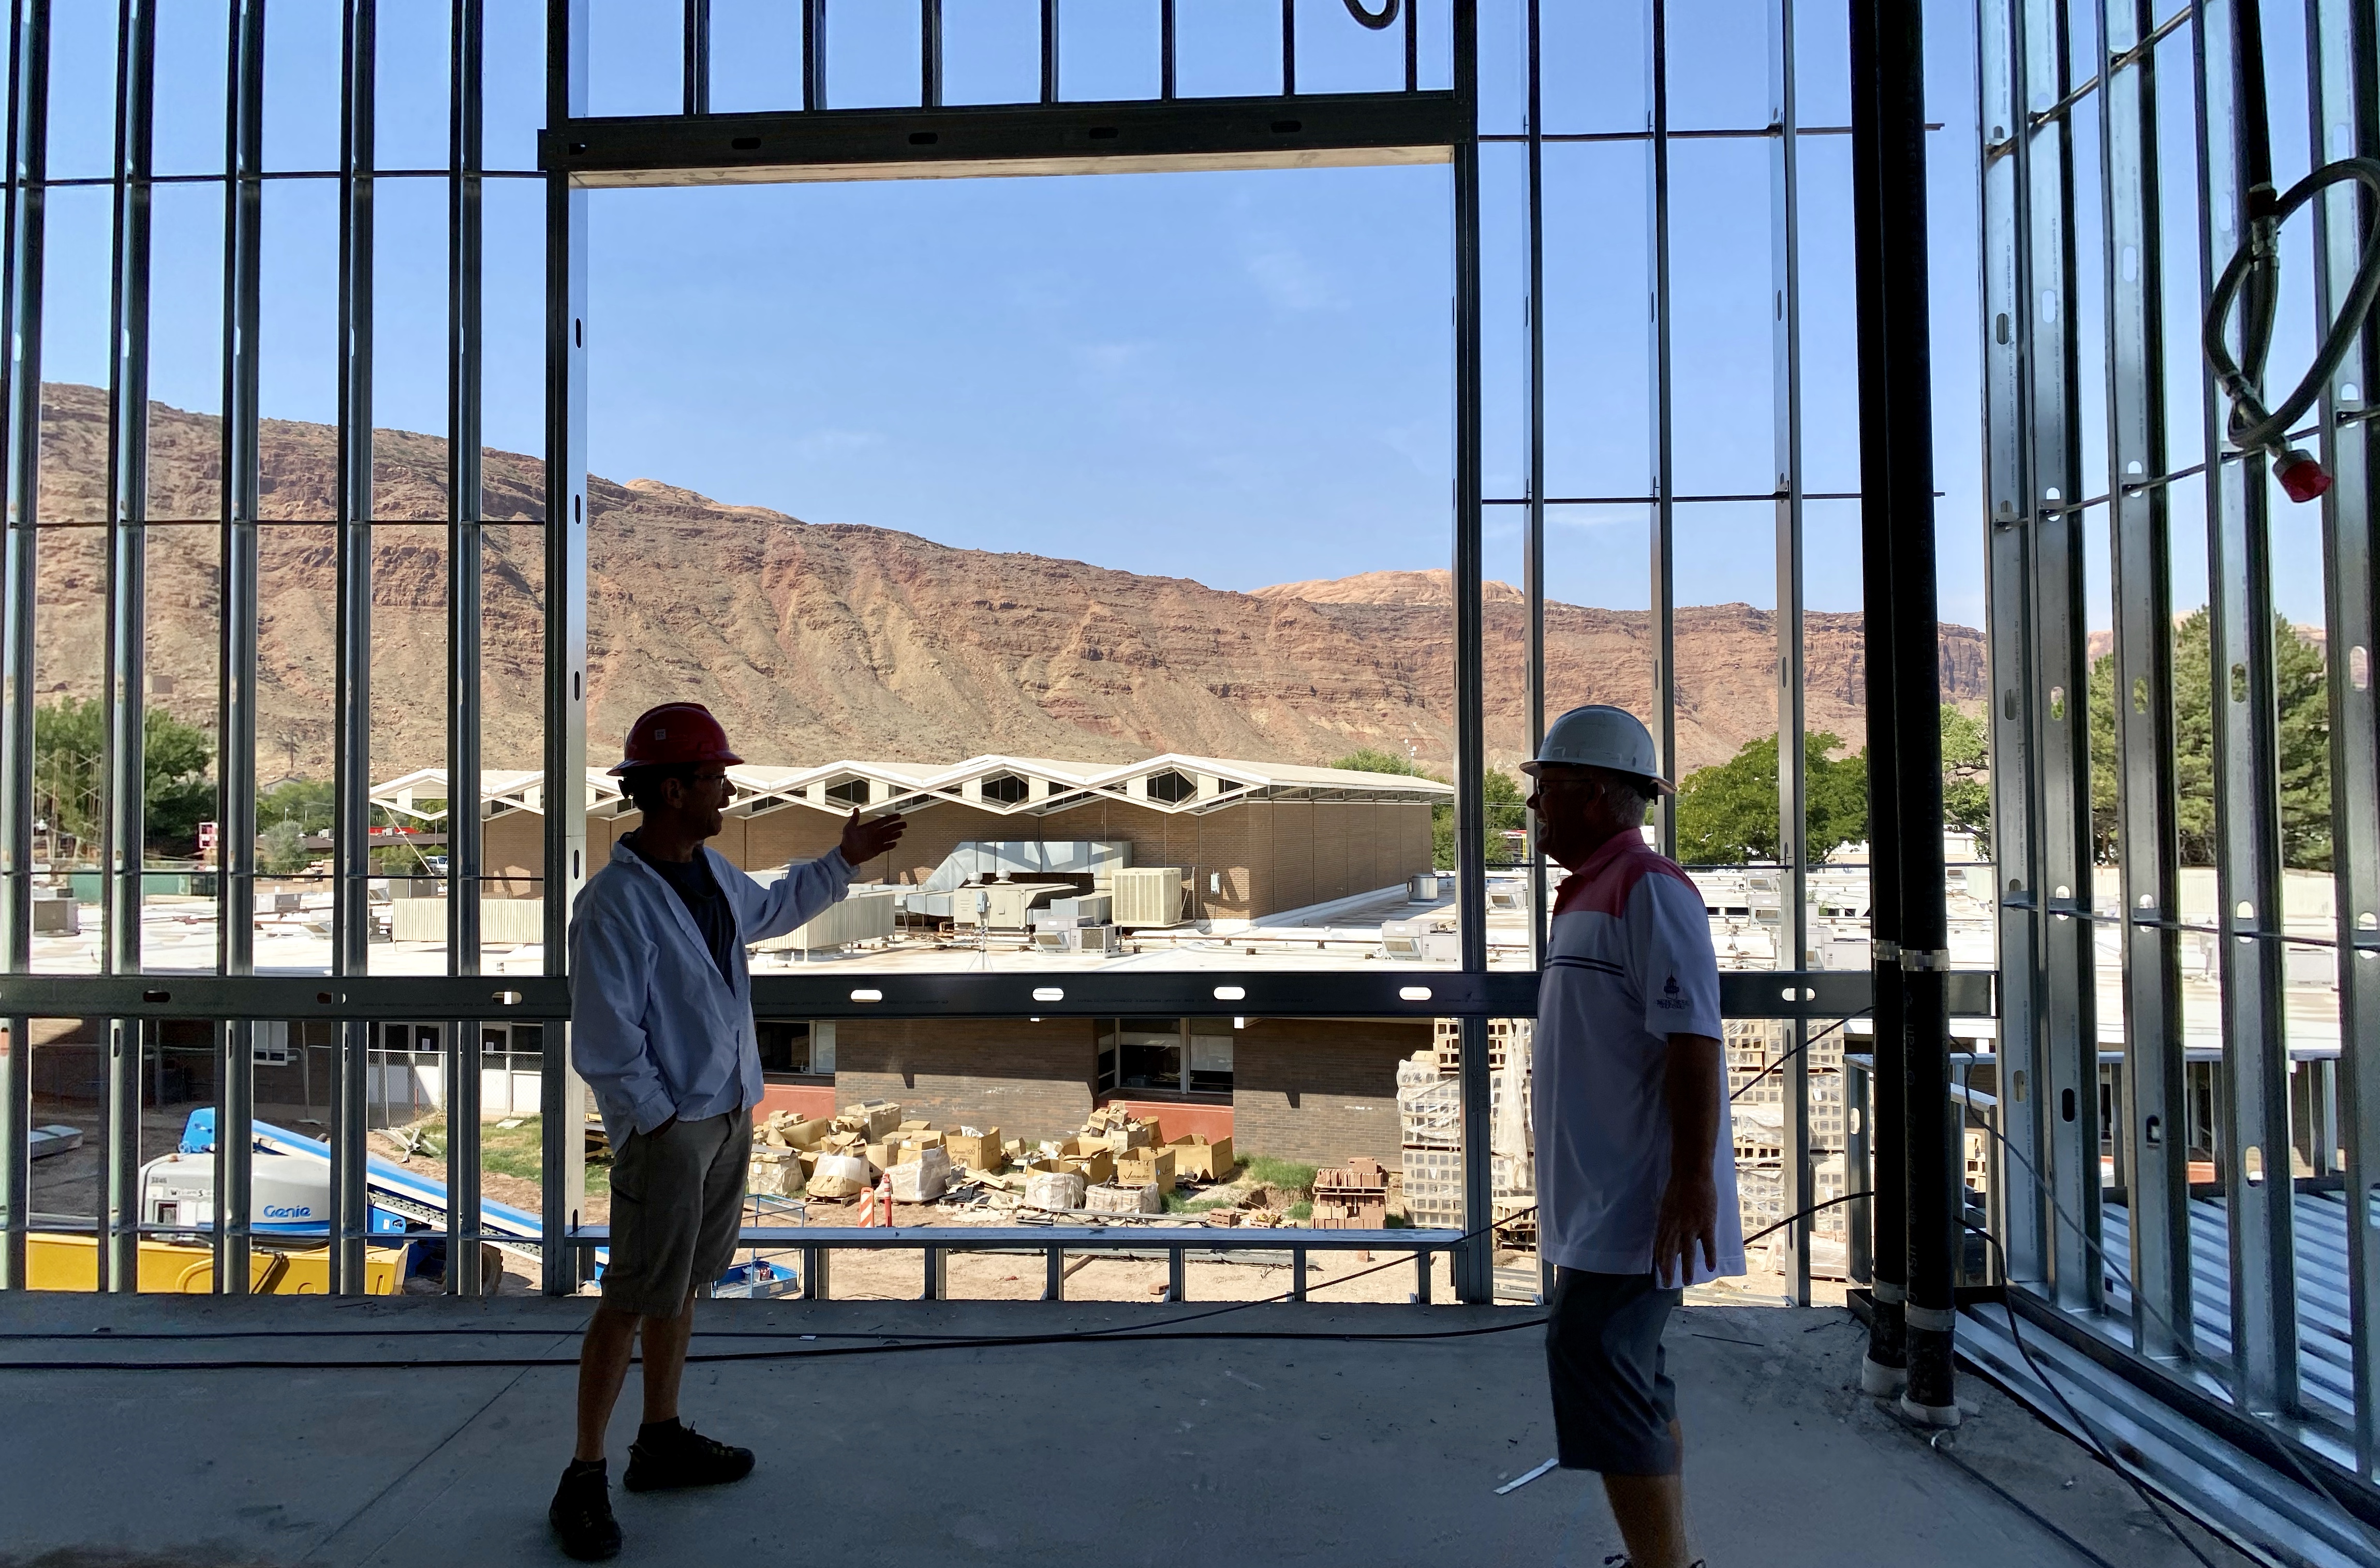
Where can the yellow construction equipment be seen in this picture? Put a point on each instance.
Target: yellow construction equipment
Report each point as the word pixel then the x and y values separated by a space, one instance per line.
pixel 71 1262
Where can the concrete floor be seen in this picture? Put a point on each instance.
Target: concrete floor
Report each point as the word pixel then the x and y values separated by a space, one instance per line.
pixel 1172 1453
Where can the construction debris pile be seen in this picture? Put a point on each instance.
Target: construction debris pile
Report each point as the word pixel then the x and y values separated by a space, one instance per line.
pixel 1429 1116
pixel 1117 1163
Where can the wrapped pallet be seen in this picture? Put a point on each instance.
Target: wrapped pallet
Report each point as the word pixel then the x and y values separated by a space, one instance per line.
pixel 775 1173
pixel 1144 1199
pixel 839 1176
pixel 1053 1189
pixel 922 1179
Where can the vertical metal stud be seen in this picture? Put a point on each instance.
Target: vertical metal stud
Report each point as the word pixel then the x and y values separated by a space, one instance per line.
pixel 1288 48
pixel 2023 1212
pixel 1785 383
pixel 123 816
pixel 1049 51
pixel 2345 119
pixel 1474 1260
pixel 20 409
pixel 1533 406
pixel 813 54
pixel 236 691
pixel 563 1096
pixel 1165 46
pixel 351 920
pixel 930 53
pixel 1664 490
pixel 696 66
pixel 2150 1139
pixel 2062 665
pixel 2257 1177
pixel 465 424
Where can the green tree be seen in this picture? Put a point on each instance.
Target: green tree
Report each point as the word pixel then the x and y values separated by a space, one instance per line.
pixel 307 802
pixel 2303 734
pixel 1967 776
pixel 1507 805
pixel 281 849
pixel 69 759
pixel 1727 812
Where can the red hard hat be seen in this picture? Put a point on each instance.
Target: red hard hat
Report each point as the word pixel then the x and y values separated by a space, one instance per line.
pixel 676 735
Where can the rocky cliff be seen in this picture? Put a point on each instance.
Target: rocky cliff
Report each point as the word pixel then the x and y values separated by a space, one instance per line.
pixel 819 641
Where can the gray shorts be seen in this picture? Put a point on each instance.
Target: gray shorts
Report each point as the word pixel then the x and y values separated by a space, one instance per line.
pixel 678 1201
pixel 1613 1400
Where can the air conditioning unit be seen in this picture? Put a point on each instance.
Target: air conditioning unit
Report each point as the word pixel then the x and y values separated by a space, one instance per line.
pixel 1148 895
pixel 1077 939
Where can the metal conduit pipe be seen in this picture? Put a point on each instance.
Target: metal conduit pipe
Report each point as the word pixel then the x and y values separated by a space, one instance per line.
pixel 2253 279
pixel 1911 927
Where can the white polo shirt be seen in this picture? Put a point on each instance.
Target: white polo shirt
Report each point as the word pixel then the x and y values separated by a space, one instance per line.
pixel 1629 964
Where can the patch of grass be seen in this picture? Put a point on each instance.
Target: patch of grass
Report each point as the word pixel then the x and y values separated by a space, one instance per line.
pixel 1287 1175
pixel 1398 1222
pixel 1298 1212
pixel 514 1151
pixel 1176 1203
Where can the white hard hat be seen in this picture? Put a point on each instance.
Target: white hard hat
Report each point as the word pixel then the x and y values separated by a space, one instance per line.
pixel 1598 736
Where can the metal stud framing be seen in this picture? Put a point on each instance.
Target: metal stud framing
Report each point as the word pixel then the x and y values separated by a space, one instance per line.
pixel 464 423
pixel 21 329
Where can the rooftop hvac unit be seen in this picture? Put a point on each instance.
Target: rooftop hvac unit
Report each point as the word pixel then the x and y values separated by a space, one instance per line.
pixel 1077 939
pixel 1148 895
pixel 859 916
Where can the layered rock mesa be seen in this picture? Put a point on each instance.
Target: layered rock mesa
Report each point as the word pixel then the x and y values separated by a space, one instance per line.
pixel 820 641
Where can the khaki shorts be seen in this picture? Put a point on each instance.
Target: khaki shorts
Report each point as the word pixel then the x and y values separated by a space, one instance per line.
pixel 678 1201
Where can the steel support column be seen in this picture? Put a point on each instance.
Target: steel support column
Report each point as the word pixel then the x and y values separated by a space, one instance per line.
pixel 696 62
pixel 123 815
pixel 2152 1131
pixel 2345 119
pixel 1897 525
pixel 465 140
pixel 236 662
pixel 1785 383
pixel 2256 1154
pixel 21 329
pixel 1475 1259
pixel 1885 1367
pixel 351 925
pixel 563 1096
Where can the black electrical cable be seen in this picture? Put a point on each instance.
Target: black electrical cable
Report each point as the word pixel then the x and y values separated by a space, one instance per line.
pixel 1387 18
pixel 2044 1520
pixel 2106 1454
pixel 2281 1440
pixel 1797 1050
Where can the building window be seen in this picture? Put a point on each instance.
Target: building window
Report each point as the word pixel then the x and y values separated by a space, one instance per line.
pixel 1006 789
pixel 795 1047
pixel 1171 788
pixel 850 792
pixel 1164 1056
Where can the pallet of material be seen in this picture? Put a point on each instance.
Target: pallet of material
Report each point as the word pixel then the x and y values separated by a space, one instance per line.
pixel 1356 1198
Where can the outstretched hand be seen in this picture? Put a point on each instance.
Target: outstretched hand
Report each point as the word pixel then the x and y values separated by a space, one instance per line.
pixel 863 842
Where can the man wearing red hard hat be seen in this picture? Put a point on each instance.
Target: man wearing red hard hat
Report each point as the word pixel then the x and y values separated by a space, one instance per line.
pixel 661 1031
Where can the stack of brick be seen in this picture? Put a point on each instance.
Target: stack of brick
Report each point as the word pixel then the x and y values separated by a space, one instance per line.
pixel 1429 1106
pixel 1354 1199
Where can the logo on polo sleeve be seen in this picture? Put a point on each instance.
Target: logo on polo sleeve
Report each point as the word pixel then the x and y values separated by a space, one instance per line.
pixel 1669 997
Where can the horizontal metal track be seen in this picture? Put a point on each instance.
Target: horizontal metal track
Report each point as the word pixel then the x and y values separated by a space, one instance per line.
pixel 1074 1238
pixel 1322 131
pixel 1413 993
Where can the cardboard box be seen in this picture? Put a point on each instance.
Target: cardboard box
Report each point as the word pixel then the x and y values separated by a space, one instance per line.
pixel 914 1125
pixel 981 1153
pixel 1146 1167
pixel 1093 1163
pixel 876 1117
pixel 1196 1158
pixel 879 1156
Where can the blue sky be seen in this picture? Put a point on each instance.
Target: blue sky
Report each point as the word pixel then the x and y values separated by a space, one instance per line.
pixel 1243 378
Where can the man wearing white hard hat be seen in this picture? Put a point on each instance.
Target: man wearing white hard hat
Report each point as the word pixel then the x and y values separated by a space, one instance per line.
pixel 1636 1163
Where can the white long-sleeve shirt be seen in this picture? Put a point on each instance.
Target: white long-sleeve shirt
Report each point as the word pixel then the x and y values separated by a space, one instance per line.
pixel 655 1029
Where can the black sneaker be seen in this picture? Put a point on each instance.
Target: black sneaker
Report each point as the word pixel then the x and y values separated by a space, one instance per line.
pixel 684 1458
pixel 581 1515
